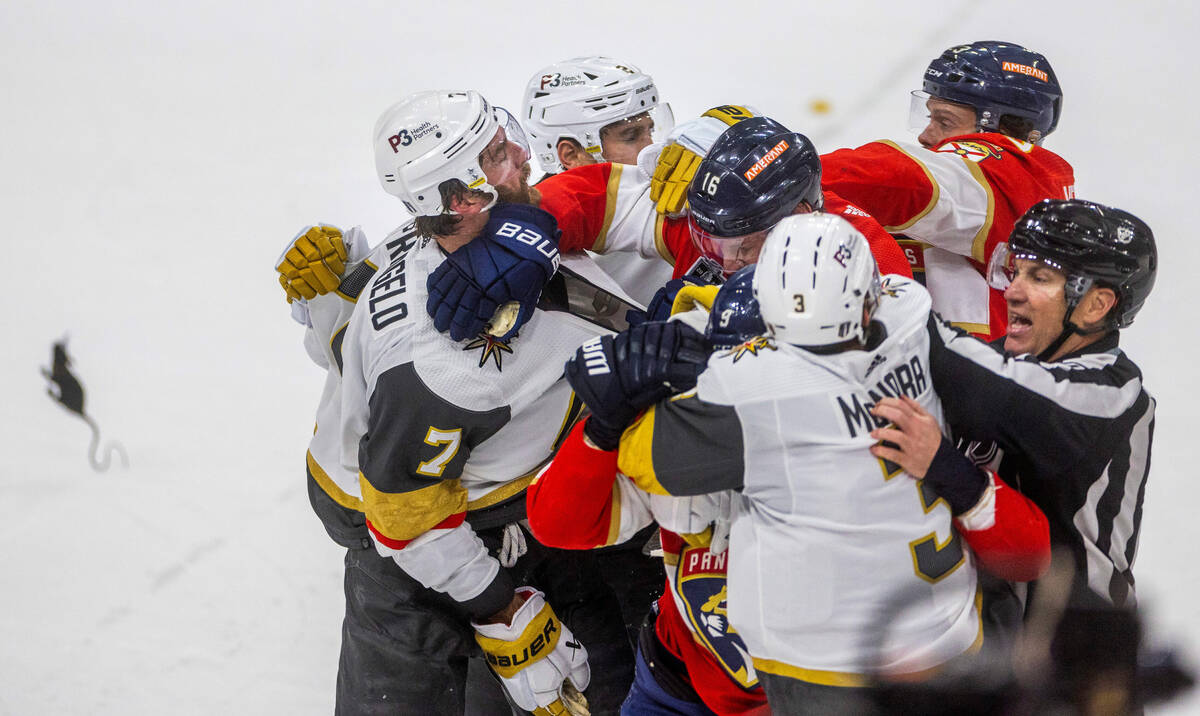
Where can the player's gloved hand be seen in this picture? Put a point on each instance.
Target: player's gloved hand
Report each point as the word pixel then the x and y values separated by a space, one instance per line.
pixel 535 655
pixel 509 262
pixel 313 263
pixel 686 147
pixel 660 304
pixel 618 376
pixel 664 299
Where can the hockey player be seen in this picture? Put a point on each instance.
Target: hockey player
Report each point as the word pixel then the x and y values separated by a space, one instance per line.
pixel 424 445
pixel 785 584
pixel 986 107
pixel 1061 412
pixel 593 109
pixel 587 110
pixel 689 661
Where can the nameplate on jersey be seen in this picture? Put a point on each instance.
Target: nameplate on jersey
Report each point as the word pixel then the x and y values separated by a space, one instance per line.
pixel 914 251
pixel 571 293
pixel 700 582
pixel 706 271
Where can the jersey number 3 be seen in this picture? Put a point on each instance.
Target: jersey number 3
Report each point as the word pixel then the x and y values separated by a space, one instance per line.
pixel 932 561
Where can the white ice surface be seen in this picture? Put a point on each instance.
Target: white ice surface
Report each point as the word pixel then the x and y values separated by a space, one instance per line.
pixel 155 156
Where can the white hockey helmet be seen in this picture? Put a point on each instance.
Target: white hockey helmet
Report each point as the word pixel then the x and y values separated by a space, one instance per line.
pixel 430 137
pixel 576 98
pixel 814 278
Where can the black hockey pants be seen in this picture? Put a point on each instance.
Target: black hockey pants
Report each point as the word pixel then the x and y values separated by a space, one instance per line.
pixel 406 648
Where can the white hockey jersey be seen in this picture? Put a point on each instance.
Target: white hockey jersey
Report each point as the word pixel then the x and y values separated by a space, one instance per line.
pixel 840 565
pixel 418 430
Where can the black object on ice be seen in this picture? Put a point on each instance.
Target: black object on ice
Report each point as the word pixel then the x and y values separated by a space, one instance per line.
pixel 69 394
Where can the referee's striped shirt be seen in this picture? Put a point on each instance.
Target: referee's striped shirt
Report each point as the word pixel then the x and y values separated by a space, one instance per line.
pixel 1075 437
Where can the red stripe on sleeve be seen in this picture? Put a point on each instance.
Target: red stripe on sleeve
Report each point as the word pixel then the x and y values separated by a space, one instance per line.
pixel 447 524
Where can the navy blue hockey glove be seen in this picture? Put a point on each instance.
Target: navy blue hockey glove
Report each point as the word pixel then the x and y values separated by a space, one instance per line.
pixel 660 305
pixel 620 376
pixel 510 261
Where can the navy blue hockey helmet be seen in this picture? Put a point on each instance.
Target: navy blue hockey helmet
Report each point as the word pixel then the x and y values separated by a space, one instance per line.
pixel 757 172
pixel 734 317
pixel 1092 244
pixel 999 79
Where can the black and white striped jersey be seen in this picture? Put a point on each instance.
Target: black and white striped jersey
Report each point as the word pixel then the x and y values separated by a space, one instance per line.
pixel 1074 436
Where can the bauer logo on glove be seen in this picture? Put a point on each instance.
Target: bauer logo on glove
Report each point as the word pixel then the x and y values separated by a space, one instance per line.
pixel 535 656
pixel 509 657
pixel 509 262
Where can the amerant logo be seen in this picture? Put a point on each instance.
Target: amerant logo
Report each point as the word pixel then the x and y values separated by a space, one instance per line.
pixel 766 160
pixel 1025 70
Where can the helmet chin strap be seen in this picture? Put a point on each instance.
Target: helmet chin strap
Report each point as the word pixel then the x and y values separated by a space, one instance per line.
pixel 1069 329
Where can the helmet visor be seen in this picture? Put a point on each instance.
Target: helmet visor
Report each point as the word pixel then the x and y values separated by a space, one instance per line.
pixel 732 252
pixel 505 156
pixel 620 141
pixel 918 111
pixel 1002 268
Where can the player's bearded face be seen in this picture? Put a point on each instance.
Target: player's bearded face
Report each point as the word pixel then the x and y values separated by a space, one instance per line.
pixel 1037 305
pixel 505 163
pixel 519 192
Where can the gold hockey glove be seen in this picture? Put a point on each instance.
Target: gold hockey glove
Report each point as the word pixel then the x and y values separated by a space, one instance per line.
pixel 313 264
pixel 678 161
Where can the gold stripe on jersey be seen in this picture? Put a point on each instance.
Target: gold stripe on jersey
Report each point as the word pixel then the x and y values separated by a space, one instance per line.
pixel 330 487
pixel 980 242
pixel 933 200
pixel 850 679
pixel 505 491
pixel 408 515
pixel 812 676
pixel 614 522
pixel 610 207
pixel 572 416
pixel 983 328
pixel 660 244
pixel 636 454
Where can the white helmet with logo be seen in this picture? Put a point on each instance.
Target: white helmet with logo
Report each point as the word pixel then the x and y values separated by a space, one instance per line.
pixel 815 277
pixel 576 98
pixel 430 137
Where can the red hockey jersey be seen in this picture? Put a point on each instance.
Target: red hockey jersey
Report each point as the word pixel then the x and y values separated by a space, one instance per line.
pixel 951 207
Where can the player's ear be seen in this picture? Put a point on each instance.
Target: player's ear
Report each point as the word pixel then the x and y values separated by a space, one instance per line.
pixel 1095 306
pixel 570 154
